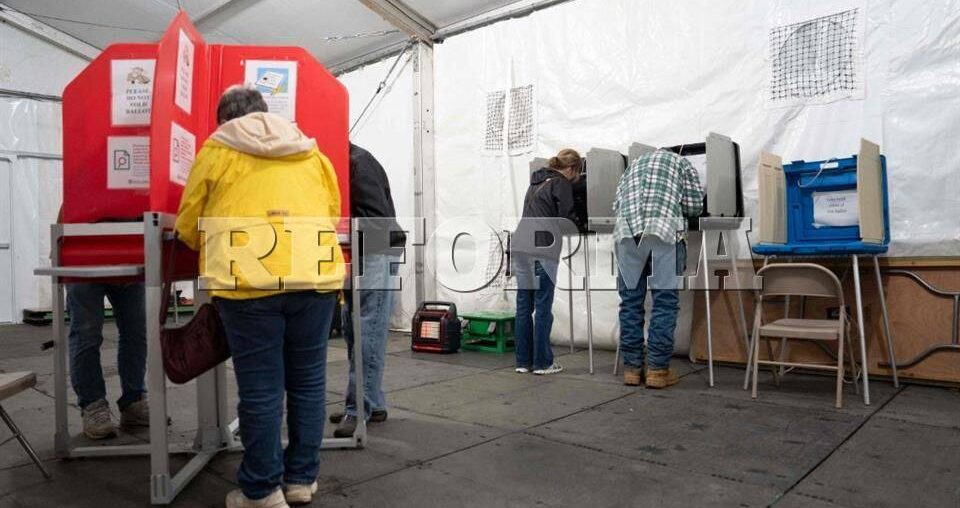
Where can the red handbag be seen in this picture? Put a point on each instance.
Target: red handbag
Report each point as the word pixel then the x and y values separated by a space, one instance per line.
pixel 196 347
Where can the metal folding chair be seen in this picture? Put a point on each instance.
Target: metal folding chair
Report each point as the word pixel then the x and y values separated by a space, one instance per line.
pixel 807 280
pixel 10 385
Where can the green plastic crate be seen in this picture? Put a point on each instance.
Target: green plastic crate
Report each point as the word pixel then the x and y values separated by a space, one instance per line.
pixel 490 332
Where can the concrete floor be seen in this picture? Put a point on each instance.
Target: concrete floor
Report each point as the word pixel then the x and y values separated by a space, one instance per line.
pixel 465 431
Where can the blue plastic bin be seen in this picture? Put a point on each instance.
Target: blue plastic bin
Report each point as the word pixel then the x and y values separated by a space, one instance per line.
pixel 804 238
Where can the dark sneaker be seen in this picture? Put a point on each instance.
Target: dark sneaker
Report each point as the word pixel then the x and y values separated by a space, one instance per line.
pixel 98 420
pixel 661 378
pixel 376 416
pixel 136 414
pixel 346 427
pixel 632 376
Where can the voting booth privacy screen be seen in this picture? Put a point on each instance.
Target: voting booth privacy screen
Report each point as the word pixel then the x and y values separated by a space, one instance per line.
pixel 835 206
pixel 135 118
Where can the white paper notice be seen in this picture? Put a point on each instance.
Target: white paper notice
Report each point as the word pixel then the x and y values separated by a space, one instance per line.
pixel 132 91
pixel 835 209
pixel 128 162
pixel 277 81
pixel 185 63
pixel 699 163
pixel 182 152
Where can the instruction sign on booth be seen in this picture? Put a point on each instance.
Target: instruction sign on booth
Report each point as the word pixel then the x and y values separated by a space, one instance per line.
pixel 135 117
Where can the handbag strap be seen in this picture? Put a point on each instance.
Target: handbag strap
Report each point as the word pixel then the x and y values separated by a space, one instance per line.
pixel 167 286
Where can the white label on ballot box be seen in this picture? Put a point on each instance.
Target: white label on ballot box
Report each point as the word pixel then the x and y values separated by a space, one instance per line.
pixel 128 162
pixel 132 91
pixel 835 209
pixel 182 143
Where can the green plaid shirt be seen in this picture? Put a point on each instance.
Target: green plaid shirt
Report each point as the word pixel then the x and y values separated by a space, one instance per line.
pixel 654 196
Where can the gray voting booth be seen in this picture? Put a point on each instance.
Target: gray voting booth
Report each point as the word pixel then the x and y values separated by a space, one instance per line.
pixel 717 160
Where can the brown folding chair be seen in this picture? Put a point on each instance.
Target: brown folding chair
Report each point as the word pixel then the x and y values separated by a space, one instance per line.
pixel 800 279
pixel 10 385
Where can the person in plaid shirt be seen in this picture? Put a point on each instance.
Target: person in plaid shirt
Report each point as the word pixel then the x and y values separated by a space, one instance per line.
pixel 654 196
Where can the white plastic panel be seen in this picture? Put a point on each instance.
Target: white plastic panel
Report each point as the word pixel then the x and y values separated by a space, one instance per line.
pixel 611 72
pixel 37 195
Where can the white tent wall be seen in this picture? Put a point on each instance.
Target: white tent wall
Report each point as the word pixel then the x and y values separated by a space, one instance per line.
pixel 612 72
pixel 30 147
pixel 386 130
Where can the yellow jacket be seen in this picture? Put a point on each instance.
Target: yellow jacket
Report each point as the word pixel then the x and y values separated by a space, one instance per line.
pixel 269 204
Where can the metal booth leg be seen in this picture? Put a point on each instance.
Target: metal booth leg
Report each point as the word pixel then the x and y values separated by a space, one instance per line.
pixel 360 433
pixel 586 257
pixel 886 323
pixel 359 438
pixel 211 400
pixel 161 488
pixel 570 290
pixel 863 338
pixel 60 350
pixel 706 292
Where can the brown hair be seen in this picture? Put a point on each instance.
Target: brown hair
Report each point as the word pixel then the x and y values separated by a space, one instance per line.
pixel 566 158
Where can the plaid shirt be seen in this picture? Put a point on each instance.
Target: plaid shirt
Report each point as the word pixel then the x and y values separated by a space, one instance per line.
pixel 655 194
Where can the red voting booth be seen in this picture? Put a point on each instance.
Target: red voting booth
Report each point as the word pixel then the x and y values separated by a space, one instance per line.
pixel 136 116
pixel 133 121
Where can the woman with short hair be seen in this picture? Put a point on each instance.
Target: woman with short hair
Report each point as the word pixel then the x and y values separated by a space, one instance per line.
pixel 270 183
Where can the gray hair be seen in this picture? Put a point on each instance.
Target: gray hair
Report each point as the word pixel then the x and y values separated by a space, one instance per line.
pixel 239 100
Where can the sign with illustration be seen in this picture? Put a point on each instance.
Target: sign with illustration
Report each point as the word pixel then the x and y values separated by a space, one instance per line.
pixel 128 162
pixel 277 81
pixel 182 152
pixel 132 91
pixel 185 64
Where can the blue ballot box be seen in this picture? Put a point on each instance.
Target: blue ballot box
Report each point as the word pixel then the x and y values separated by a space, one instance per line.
pixel 835 206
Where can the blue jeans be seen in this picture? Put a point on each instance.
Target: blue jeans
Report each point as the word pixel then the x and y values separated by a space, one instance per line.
pixel 85 303
pixel 376 305
pixel 279 343
pixel 534 310
pixel 635 265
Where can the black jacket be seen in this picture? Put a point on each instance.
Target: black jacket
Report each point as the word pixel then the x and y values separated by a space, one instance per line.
pixel 550 196
pixel 370 192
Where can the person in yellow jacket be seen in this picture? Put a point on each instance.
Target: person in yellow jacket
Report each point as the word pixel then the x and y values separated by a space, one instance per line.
pixel 261 205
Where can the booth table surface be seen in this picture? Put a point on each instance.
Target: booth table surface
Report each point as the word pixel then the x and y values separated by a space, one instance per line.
pixel 465 430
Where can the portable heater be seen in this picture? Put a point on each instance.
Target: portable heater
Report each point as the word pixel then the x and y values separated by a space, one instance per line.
pixel 436 328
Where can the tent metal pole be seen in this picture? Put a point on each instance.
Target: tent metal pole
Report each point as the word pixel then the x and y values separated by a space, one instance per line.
pixel 424 171
pixel 404 18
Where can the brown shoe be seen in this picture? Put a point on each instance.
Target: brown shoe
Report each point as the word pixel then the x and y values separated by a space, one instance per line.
pixel 661 378
pixel 632 376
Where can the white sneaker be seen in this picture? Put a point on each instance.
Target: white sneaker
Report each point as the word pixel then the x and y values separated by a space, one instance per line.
pixel 98 420
pixel 553 369
pixel 299 494
pixel 521 370
pixel 236 499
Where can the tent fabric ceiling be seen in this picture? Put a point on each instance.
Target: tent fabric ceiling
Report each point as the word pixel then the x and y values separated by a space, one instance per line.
pixel 327 28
